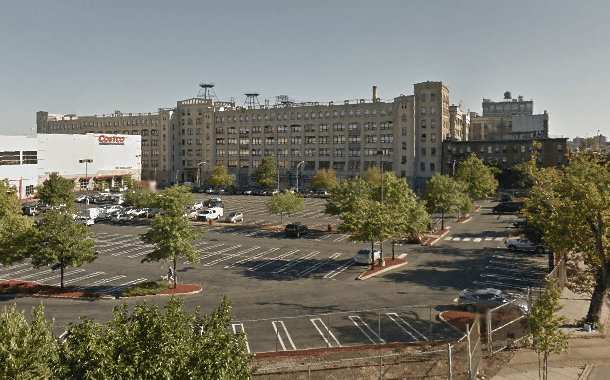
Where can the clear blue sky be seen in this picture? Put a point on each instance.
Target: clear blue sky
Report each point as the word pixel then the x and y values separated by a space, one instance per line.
pixel 94 57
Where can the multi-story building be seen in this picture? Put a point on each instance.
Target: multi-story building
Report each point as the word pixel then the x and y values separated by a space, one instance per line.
pixel 184 143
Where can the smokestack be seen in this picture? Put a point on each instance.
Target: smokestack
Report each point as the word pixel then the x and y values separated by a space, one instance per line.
pixel 374 94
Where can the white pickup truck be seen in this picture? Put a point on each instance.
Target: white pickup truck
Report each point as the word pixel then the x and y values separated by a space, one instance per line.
pixel 210 214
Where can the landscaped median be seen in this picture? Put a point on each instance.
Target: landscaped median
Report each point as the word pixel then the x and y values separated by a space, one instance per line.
pixel 389 265
pixel 24 288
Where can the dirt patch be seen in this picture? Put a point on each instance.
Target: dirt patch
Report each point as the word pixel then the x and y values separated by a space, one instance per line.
pixel 388 264
pixel 181 289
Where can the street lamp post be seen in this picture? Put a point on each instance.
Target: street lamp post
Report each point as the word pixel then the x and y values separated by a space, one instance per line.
pixel 298 165
pixel 86 161
pixel 381 262
pixel 199 173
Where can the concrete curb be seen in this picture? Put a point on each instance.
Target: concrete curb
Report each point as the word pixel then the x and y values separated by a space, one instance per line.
pixel 104 297
pixel 438 237
pixel 361 277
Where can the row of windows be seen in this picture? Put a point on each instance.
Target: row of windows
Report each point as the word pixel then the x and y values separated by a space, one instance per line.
pixel 305 115
pixel 296 128
pixel 117 123
pixel 309 165
pixel 357 139
pixel 28 157
pixel 336 152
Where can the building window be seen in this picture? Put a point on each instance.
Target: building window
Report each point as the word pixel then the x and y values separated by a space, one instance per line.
pixel 423 123
pixel 433 137
pixel 432 97
pixel 10 158
pixel 433 152
pixel 432 166
pixel 422 167
pixel 30 157
pixel 432 110
pixel 423 137
pixel 423 151
pixel 423 110
pixel 423 97
pixel 338 127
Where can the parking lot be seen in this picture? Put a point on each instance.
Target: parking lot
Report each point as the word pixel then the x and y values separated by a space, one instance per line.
pixel 297 293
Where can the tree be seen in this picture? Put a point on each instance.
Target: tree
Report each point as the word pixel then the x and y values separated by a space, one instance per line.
pixel 149 344
pixel 59 242
pixel 372 176
pixel 139 198
pixel 220 176
pixel 406 214
pixel 131 183
pixel 285 203
pixel 266 173
pixel 324 179
pixel 14 226
pixel 571 208
pixel 27 351
pixel 171 234
pixel 479 178
pixel 56 190
pixel 445 195
pixel 343 195
pixel 545 335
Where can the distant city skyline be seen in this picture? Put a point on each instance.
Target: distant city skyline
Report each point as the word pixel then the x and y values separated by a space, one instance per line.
pixel 91 58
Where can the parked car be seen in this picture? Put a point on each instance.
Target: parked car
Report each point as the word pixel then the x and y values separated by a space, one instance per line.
pixel 191 213
pixel 523 244
pixel 364 256
pixel 32 211
pixel 483 299
pixel 84 220
pixel 519 223
pixel 197 205
pixel 295 229
pixel 416 239
pixel 235 217
pixel 121 218
pixel 507 207
pixel 210 214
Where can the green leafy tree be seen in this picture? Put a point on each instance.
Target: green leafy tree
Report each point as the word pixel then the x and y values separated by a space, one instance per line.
pixel 372 176
pixel 571 210
pixel 27 351
pixel 139 198
pixel 479 178
pixel 101 185
pixel 265 174
pixel 149 344
pixel 324 179
pixel 407 215
pixel 220 176
pixel 58 242
pixel 343 195
pixel 445 195
pixel 545 335
pixel 56 190
pixel 285 203
pixel 14 226
pixel 131 183
pixel 171 234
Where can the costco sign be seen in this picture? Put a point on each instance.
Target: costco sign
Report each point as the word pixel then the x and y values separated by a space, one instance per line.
pixel 111 140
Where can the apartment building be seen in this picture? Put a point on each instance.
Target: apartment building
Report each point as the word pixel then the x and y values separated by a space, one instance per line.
pixel 184 143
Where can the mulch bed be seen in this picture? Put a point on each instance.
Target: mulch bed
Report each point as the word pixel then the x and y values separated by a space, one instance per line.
pixel 388 263
pixel 182 288
pixel 24 288
pixel 440 232
pixel 35 289
pixel 460 318
pixel 462 219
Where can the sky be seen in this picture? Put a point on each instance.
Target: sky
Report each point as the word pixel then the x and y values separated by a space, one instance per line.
pixel 95 57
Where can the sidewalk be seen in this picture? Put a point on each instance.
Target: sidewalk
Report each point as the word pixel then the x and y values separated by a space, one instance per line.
pixel 588 353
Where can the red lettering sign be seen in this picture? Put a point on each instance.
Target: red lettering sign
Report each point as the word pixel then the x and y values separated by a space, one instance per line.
pixel 111 139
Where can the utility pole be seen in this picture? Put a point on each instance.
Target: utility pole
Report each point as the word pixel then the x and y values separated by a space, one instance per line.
pixel 86 161
pixel 298 174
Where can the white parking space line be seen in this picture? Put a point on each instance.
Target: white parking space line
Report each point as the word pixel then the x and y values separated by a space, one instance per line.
pixel 270 261
pixel 402 256
pixel 359 323
pixel 146 251
pixel 279 336
pixel 128 284
pixel 395 318
pixel 227 257
pixel 448 238
pixel 325 236
pixel 90 275
pixel 34 274
pixel 251 258
pixel 295 262
pixel 240 327
pixel 100 282
pixel 317 265
pixel 477 240
pixel 466 239
pixel 488 238
pixel 499 239
pixel 327 331
pixel 341 238
pixel 10 275
pixel 59 275
pixel 11 267
pixel 343 267
pixel 219 252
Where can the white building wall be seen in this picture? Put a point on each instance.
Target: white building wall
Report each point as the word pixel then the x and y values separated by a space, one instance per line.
pixel 20 175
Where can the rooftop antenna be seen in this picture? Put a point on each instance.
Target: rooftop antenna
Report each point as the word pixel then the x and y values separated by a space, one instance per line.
pixel 252 99
pixel 204 91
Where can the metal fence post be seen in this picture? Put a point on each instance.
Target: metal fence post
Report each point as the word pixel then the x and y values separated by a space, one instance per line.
pixel 380 367
pixel 449 374
pixel 469 352
pixel 489 332
pixel 277 335
pixel 328 332
pixel 379 326
pixel 309 372
pixel 430 326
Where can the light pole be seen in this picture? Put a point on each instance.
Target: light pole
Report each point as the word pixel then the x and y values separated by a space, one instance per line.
pixel 86 161
pixel 381 262
pixel 298 165
pixel 199 173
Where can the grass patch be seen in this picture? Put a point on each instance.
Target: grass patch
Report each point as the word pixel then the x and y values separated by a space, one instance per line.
pixel 146 288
